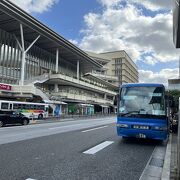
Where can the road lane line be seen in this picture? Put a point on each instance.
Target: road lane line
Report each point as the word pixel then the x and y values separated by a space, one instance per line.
pixel 99 147
pixel 60 127
pixel 30 179
pixel 94 129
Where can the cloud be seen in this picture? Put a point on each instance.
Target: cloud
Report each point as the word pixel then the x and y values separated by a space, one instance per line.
pixel 158 77
pixel 126 27
pixel 152 5
pixel 109 3
pixel 75 42
pixel 35 6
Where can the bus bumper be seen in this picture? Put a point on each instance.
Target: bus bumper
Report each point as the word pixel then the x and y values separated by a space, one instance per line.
pixel 150 134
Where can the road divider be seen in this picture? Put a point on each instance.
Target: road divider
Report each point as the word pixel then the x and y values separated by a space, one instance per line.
pixel 94 129
pixel 99 147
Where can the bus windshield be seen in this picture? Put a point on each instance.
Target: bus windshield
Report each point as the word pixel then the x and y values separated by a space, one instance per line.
pixel 145 102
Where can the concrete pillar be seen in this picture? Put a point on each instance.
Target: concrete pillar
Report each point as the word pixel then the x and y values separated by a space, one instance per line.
pixel 113 98
pixel 57 60
pixel 56 88
pixel 24 51
pixel 23 61
pixel 105 96
pixel 78 69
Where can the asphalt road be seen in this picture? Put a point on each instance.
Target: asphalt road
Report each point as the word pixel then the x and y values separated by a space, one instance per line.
pixel 81 149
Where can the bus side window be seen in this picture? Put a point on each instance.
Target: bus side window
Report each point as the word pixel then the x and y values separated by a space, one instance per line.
pixel 15 106
pixel 26 106
pixel 19 106
pixel 4 105
pixel 31 107
pixel 40 107
pixel 23 106
pixel 46 109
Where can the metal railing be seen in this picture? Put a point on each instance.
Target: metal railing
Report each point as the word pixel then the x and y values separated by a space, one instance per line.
pixel 82 83
pixel 78 116
pixel 24 89
pixel 37 79
pixel 82 97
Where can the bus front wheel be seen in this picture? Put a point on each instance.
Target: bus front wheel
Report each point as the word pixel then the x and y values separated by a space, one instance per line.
pixel 124 138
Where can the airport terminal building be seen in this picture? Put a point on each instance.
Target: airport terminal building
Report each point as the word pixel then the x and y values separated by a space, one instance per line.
pixel 37 64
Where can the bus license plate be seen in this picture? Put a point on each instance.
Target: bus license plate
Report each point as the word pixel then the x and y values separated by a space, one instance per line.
pixel 140 127
pixel 141 136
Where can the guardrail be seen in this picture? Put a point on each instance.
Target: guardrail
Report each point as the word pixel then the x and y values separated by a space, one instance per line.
pixel 82 83
pixel 82 97
pixel 24 89
pixel 37 79
pixel 74 116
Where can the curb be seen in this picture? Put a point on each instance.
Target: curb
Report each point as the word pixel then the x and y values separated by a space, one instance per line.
pixel 167 161
pixel 33 122
pixel 62 120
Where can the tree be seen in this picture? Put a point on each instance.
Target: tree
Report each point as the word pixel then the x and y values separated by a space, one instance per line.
pixel 176 95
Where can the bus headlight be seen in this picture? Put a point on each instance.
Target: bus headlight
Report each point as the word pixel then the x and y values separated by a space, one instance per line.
pixel 163 128
pixel 122 125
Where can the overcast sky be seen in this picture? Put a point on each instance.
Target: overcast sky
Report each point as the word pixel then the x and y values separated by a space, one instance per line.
pixel 142 28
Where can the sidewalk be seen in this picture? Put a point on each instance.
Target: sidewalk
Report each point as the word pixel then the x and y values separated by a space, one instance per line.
pixel 173 169
pixel 69 118
pixel 170 160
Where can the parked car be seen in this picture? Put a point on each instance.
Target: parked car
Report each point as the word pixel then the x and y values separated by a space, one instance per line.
pixel 12 117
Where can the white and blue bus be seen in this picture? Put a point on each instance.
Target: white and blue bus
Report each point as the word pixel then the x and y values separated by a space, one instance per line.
pixel 142 111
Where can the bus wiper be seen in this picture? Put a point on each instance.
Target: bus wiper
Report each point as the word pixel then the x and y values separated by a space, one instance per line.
pixel 129 113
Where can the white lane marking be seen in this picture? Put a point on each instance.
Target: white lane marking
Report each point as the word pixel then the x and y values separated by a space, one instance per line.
pixel 94 129
pixel 30 179
pixel 99 147
pixel 60 127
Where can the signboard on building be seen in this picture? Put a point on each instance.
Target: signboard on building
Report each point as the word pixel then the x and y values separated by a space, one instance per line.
pixel 5 87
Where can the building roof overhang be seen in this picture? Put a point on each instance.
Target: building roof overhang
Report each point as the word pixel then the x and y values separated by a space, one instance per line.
pixel 174 81
pixel 100 80
pixel 10 18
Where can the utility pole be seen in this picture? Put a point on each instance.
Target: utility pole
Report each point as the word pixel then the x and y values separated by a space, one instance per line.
pixel 179 67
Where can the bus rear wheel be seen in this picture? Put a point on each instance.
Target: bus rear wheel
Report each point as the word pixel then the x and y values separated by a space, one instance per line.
pixel 40 116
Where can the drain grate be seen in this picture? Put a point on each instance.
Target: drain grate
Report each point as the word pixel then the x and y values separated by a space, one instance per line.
pixel 156 162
